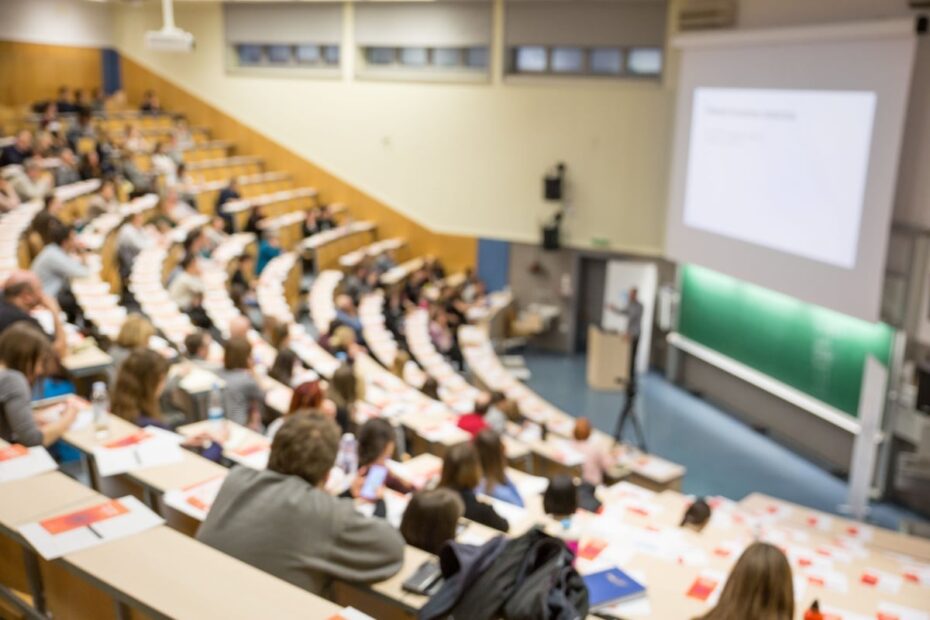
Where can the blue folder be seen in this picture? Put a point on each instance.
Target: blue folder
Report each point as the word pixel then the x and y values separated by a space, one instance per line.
pixel 611 586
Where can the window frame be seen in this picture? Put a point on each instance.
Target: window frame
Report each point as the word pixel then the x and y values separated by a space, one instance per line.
pixel 587 72
pixel 430 71
pixel 293 68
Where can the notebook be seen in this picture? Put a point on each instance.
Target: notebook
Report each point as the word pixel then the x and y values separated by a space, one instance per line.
pixel 611 586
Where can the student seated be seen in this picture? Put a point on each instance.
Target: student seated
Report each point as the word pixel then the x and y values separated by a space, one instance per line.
pixel 596 458
pixel 343 391
pixel 197 346
pixel 23 351
pixel 309 396
pixel 496 483
pixel 431 519
pixel 697 516
pixel 282 370
pixel 497 414
pixel 282 521
pixel 269 248
pixel 135 332
pixel 759 586
pixel 461 472
pixel 243 399
pixel 377 443
pixel 560 500
pixel 474 422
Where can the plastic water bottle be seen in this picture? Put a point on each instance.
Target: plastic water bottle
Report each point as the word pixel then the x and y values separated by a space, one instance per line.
pixel 215 413
pixel 100 403
pixel 347 460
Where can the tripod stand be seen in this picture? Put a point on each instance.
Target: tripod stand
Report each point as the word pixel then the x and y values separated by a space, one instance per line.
pixel 629 414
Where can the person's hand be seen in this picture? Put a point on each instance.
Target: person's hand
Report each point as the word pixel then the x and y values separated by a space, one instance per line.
pixel 200 440
pixel 356 487
pixel 69 415
pixel 49 302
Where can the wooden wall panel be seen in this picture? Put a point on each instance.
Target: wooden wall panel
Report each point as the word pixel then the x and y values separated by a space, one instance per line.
pixel 456 251
pixel 32 72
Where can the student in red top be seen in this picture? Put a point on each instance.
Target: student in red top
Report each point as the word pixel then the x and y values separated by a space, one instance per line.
pixel 474 423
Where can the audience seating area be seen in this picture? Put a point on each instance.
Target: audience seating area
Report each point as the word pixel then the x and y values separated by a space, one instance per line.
pixel 346 319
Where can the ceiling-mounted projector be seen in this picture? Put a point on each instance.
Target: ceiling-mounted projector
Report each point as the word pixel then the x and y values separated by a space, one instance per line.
pixel 170 38
pixel 176 40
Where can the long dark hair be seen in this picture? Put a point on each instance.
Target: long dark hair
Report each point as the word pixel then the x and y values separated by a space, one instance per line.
pixel 431 518
pixel 373 438
pixel 135 391
pixel 491 454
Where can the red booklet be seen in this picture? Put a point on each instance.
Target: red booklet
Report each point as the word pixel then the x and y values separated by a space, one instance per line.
pixel 13 452
pixel 702 588
pixel 83 518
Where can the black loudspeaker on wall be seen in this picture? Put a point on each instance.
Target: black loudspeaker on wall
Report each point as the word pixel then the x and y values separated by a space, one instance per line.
pixel 552 184
pixel 552 191
pixel 550 240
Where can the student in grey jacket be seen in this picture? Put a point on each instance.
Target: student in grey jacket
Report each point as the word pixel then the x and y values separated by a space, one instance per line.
pixel 282 521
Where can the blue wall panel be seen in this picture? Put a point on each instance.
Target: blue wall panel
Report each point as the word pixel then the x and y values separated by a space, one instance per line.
pixel 494 263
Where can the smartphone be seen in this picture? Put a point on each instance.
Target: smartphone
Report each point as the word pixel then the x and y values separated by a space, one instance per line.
pixel 375 478
pixel 426 580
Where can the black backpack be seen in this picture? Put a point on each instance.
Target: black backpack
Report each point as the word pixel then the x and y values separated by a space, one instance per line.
pixel 547 585
pixel 532 578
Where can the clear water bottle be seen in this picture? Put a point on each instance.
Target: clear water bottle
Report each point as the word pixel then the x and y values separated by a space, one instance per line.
pixel 100 404
pixel 215 413
pixel 347 460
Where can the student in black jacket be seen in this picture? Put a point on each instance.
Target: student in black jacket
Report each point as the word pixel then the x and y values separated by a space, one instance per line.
pixel 461 472
pixel 230 192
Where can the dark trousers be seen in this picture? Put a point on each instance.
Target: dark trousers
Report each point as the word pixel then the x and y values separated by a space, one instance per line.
pixel 634 347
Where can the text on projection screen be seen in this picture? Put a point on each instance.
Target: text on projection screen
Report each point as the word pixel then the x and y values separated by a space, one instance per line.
pixel 783 169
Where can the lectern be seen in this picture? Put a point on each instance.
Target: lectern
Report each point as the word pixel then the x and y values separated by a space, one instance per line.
pixel 608 359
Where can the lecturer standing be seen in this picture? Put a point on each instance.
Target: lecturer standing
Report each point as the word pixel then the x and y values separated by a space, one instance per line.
pixel 634 315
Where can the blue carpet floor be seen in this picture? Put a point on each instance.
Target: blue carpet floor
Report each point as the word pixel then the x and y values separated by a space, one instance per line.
pixel 723 455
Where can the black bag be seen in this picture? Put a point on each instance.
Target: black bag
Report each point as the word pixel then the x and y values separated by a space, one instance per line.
pixel 531 578
pixel 547 586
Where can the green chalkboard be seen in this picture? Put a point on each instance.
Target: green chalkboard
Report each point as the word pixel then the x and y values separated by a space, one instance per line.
pixel 812 349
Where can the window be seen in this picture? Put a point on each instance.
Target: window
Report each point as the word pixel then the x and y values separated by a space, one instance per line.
pixel 581 61
pixel 380 55
pixel 428 60
pixel 308 54
pixel 331 54
pixel 644 61
pixel 530 59
pixel 447 57
pixel 249 54
pixel 476 57
pixel 279 54
pixel 567 60
pixel 414 56
pixel 606 61
pixel 282 37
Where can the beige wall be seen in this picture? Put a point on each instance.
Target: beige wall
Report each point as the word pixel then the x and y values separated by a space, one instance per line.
pixel 460 158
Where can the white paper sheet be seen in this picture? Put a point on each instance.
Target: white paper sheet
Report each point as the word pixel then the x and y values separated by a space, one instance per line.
pixel 17 462
pixel 195 501
pixel 155 449
pixel 98 530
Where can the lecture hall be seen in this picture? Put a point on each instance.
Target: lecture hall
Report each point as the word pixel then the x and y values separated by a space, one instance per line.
pixel 465 309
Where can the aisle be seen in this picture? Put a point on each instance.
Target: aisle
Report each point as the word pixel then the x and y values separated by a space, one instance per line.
pixel 723 455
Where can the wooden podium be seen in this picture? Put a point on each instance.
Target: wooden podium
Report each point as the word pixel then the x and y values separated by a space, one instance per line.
pixel 608 359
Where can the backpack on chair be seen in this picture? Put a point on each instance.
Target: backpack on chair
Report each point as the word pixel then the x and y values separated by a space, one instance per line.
pixel 547 586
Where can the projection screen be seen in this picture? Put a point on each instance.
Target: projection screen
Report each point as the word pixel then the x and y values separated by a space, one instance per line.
pixel 785 157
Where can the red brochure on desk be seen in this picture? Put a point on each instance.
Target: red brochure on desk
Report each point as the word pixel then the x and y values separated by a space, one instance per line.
pixel 17 462
pixel 83 518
